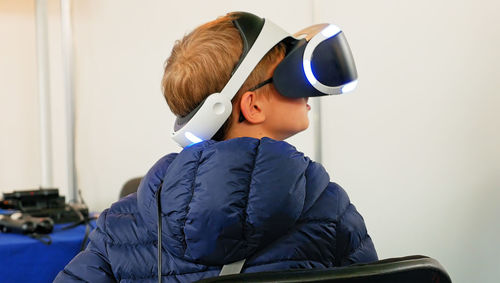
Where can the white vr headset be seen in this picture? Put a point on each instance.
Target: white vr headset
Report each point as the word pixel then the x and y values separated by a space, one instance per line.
pixel 318 62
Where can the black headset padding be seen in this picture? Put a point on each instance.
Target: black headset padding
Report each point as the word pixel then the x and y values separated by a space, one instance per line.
pixel 249 26
pixel 182 121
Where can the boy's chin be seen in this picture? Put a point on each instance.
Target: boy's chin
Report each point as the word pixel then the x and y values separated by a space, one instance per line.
pixel 304 127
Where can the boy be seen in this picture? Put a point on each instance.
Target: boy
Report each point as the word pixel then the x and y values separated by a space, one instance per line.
pixel 245 196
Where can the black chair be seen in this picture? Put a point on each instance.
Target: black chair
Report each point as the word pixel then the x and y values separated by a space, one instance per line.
pixel 410 269
pixel 130 186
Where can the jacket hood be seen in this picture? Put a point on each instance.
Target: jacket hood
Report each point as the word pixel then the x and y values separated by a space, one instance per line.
pixel 224 201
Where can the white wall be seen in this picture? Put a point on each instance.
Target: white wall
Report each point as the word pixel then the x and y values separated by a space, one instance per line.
pixel 415 146
pixel 19 111
pixel 18 85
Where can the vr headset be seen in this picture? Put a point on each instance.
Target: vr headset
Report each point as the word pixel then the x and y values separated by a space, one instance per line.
pixel 318 62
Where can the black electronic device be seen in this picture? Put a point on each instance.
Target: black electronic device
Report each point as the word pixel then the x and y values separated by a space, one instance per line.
pixel 33 199
pixel 25 224
pixel 72 212
pixel 45 203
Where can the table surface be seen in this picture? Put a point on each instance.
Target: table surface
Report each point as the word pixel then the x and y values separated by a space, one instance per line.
pixel 24 259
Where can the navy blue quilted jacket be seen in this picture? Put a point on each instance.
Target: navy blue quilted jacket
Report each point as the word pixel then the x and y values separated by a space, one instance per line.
pixel 259 200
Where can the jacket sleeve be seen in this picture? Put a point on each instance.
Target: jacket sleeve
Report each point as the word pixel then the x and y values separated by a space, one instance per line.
pixel 354 245
pixel 90 265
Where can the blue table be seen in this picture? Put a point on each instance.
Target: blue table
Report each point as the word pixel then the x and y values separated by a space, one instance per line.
pixel 24 259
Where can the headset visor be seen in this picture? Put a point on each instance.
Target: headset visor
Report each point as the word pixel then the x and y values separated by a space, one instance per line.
pixel 318 62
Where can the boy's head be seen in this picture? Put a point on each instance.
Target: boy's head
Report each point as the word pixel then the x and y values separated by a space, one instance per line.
pixel 202 63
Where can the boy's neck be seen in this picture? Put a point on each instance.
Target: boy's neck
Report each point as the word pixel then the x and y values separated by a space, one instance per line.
pixel 252 131
pixel 239 130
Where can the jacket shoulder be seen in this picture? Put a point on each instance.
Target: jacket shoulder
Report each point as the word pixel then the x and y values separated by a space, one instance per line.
pixel 354 244
pixel 329 204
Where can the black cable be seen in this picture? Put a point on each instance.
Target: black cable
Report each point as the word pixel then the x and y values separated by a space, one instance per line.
pixel 72 225
pixel 87 223
pixel 159 245
pixel 86 237
pixel 77 212
pixel 83 220
pixel 46 239
pixel 81 198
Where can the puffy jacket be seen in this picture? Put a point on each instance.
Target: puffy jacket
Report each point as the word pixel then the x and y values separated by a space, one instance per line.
pixel 259 200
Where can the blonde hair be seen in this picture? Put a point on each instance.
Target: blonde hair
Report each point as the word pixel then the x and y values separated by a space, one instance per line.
pixel 201 63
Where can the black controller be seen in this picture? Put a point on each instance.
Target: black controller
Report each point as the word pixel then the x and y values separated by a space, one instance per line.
pixel 25 224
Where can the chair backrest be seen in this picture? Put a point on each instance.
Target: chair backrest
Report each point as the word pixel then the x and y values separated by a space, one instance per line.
pixel 130 186
pixel 410 269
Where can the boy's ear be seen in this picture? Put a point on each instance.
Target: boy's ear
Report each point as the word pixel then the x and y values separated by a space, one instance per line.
pixel 252 107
